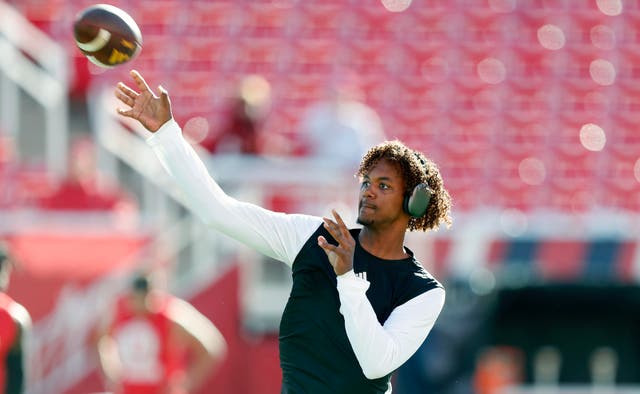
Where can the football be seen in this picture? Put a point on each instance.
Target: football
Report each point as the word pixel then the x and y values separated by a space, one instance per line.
pixel 107 35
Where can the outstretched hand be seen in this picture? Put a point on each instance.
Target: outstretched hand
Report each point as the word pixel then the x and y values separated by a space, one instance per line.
pixel 341 255
pixel 147 108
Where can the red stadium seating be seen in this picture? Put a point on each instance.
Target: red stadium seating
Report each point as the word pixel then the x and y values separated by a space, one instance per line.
pixel 157 17
pixel 506 140
pixel 420 70
pixel 265 20
pixel 320 19
pixel 211 18
pixel 154 53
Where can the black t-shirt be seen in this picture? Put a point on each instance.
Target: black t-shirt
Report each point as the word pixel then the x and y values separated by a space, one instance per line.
pixel 315 353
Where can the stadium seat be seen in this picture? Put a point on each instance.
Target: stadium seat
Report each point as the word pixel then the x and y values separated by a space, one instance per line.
pixel 626 102
pixel 154 55
pixel 248 55
pixel 157 16
pixel 265 20
pixel 432 25
pixel 573 165
pixel 369 56
pixel 211 18
pixel 419 71
pixel 314 56
pixel 464 172
pixel 621 184
pixel 484 28
pixel 523 133
pixel 589 104
pixel 374 22
pixel 468 134
pixel 320 20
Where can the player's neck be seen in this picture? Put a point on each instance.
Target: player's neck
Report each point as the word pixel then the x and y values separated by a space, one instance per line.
pixel 388 245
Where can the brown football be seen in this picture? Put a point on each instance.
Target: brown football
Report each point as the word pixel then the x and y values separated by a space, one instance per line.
pixel 107 35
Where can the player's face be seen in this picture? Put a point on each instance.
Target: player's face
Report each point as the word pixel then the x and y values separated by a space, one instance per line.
pixel 381 195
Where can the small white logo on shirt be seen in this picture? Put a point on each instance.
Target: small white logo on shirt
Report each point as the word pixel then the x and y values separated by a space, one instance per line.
pixel 362 275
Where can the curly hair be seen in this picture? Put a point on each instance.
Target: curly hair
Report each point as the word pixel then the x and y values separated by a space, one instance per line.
pixel 415 168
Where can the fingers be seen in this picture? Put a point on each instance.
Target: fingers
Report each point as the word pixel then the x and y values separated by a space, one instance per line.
pixel 332 227
pixel 341 225
pixel 337 229
pixel 340 256
pixel 127 91
pixel 125 97
pixel 322 241
pixel 126 112
pixel 329 250
pixel 164 95
pixel 140 82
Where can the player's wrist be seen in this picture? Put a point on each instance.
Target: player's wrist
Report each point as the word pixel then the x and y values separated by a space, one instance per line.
pixel 342 270
pixel 346 274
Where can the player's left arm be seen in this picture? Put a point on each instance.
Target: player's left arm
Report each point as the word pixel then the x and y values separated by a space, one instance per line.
pixel 381 349
pixel 15 362
pixel 206 345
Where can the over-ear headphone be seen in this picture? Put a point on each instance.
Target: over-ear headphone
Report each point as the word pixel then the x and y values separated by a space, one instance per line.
pixel 416 203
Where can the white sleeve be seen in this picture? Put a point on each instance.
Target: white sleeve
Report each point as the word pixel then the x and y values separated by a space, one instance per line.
pixel 277 235
pixel 381 349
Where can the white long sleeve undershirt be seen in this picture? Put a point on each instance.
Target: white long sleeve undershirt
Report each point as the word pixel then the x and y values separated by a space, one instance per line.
pixel 274 234
pixel 380 349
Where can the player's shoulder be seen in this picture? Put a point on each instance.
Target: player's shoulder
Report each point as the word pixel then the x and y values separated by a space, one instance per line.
pixel 416 273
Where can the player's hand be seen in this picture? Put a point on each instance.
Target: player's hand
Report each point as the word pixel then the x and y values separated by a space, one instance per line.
pixel 341 255
pixel 144 106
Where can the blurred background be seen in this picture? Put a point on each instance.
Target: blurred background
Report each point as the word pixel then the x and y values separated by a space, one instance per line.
pixel 529 107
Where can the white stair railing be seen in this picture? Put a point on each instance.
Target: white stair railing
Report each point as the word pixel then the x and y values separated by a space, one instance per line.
pixel 33 63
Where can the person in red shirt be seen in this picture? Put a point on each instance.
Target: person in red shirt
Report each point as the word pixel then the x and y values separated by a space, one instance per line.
pixel 156 343
pixel 84 188
pixel 15 323
pixel 243 119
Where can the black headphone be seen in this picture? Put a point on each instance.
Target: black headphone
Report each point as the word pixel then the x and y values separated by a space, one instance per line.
pixel 416 203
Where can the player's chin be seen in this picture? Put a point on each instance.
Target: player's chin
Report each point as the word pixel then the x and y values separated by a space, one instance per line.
pixel 364 219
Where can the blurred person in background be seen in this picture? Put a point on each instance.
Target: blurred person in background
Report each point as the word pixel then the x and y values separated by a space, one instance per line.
pixel 341 126
pixel 15 324
pixel 82 188
pixel 361 303
pixel 240 128
pixel 155 343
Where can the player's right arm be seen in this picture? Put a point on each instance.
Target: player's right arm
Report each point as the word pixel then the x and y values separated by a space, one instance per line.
pixel 275 234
